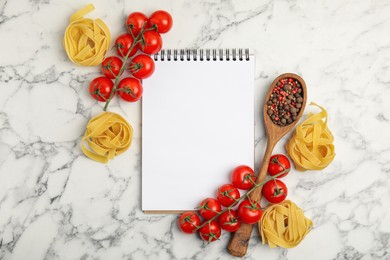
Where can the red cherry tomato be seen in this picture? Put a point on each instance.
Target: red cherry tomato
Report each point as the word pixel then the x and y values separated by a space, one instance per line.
pixel 188 222
pixel 135 21
pixel 142 66
pixel 151 43
pixel 210 232
pixel 228 221
pixel 277 164
pixel 209 207
pixel 111 67
pixel 249 212
pixel 275 191
pixel 130 89
pixel 100 88
pixel 243 177
pixel 227 194
pixel 123 44
pixel 161 20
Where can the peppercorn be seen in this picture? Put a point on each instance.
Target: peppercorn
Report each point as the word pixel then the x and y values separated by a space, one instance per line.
pixel 285 101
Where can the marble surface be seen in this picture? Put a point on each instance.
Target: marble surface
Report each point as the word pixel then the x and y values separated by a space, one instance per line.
pixel 57 204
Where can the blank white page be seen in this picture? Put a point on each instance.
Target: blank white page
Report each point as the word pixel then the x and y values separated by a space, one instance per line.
pixel 197 126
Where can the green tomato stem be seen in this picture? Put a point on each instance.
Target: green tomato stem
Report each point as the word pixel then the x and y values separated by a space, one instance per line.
pixel 137 40
pixel 116 82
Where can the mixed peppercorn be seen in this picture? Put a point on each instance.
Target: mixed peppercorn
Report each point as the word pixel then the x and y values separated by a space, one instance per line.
pixel 285 101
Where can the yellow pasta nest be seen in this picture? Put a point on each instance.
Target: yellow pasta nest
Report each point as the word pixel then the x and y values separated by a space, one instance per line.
pixel 107 135
pixel 311 147
pixel 284 225
pixel 86 41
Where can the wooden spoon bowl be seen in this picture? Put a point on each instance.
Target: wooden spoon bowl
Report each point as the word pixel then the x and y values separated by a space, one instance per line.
pixel 240 239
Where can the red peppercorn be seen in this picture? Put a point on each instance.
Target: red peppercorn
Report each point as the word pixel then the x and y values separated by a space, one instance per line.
pixel 276 118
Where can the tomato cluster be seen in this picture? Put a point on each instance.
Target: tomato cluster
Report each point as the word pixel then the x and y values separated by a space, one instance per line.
pixel 141 40
pixel 222 212
pixel 219 213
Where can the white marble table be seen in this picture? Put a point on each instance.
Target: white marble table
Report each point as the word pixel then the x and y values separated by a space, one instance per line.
pixel 57 204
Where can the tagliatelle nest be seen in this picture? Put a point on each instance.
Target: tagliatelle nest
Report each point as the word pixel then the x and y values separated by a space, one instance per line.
pixel 106 136
pixel 284 225
pixel 86 41
pixel 311 147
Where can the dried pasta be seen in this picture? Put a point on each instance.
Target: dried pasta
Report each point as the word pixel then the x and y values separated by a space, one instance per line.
pixel 106 136
pixel 86 41
pixel 311 147
pixel 284 225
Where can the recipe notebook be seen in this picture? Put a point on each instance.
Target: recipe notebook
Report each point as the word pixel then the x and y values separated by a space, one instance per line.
pixel 197 125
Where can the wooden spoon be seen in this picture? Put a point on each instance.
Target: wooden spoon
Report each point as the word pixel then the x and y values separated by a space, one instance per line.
pixel 240 239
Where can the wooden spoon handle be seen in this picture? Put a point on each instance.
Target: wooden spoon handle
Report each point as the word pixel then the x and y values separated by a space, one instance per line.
pixel 256 194
pixel 240 239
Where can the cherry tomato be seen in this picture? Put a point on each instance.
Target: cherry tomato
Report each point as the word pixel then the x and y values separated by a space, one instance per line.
pixel 277 164
pixel 100 88
pixel 142 66
pixel 161 20
pixel 227 194
pixel 209 207
pixel 151 43
pixel 130 89
pixel 275 191
pixel 123 44
pixel 111 67
pixel 228 221
pixel 135 21
pixel 188 222
pixel 249 212
pixel 243 177
pixel 210 232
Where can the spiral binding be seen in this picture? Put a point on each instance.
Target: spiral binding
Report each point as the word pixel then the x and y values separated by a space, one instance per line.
pixel 208 54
